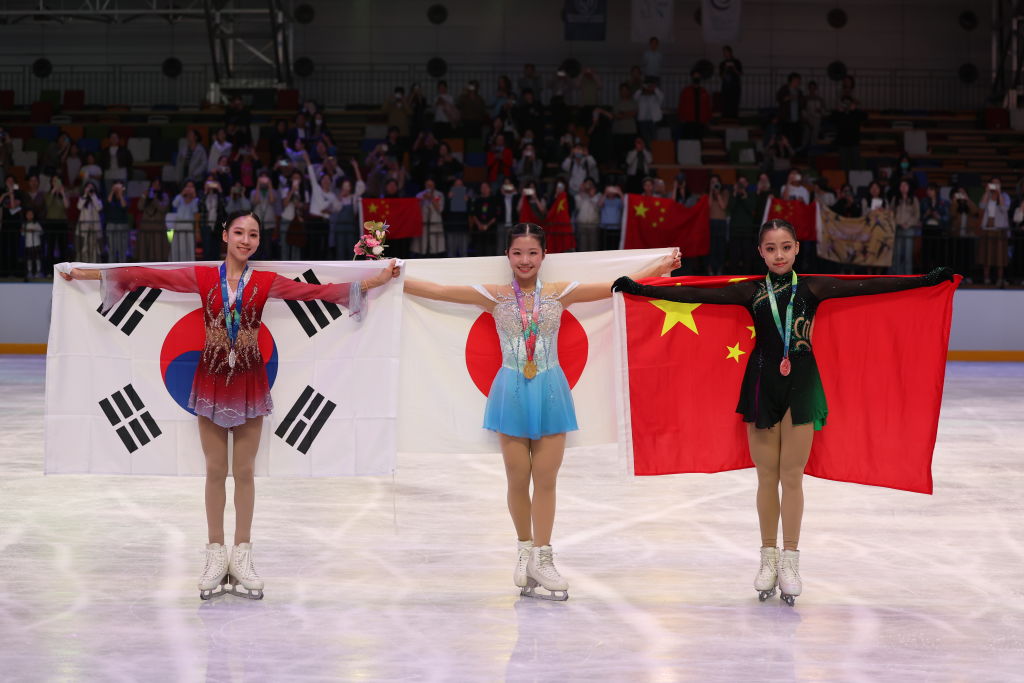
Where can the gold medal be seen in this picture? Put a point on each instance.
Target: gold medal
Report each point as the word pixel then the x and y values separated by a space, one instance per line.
pixel 530 369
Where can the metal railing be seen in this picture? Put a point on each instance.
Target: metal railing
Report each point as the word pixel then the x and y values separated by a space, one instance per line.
pixel 338 86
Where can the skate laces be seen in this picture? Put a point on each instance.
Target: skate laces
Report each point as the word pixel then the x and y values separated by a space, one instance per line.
pixel 212 561
pixel 546 563
pixel 246 563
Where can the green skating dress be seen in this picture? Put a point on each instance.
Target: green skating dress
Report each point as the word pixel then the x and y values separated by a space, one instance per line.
pixel 766 394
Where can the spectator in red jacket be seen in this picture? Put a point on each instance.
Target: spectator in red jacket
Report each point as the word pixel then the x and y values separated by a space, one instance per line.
pixel 499 161
pixel 694 111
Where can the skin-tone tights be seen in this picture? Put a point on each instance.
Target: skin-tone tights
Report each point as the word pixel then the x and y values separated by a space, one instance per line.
pixel 535 460
pixel 780 454
pixel 214 440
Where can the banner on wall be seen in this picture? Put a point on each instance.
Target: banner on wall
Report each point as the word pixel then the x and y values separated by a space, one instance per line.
pixel 865 241
pixel 450 352
pixel 585 19
pixel 720 20
pixel 118 384
pixel 651 18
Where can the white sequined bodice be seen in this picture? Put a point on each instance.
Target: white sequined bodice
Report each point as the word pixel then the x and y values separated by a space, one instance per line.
pixel 510 330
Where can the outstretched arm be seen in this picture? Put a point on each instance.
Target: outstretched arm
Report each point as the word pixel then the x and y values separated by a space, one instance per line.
pixel 457 294
pixel 595 291
pixel 347 294
pixel 738 294
pixel 117 281
pixel 834 288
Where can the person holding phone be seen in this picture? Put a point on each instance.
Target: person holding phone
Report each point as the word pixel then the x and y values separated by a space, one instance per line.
pixel 995 232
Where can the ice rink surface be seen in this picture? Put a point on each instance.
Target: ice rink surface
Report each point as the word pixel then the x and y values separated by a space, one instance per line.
pixel 410 579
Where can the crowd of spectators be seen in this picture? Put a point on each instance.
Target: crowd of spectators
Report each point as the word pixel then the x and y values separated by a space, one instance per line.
pixel 533 141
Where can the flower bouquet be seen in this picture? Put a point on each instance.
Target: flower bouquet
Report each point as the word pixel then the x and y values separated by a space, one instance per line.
pixel 373 241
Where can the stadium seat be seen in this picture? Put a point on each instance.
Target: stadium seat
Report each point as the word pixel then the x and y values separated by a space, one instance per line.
pixel 688 153
pixel 662 152
pixel 139 147
pixel 735 134
pixel 915 142
pixel 288 99
pixel 74 100
pixel 6 99
pixel 46 132
pixel 51 96
pixel 41 112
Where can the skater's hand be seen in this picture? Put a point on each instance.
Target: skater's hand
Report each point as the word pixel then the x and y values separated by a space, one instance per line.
pixel 670 262
pixel 392 270
pixel 626 285
pixel 943 274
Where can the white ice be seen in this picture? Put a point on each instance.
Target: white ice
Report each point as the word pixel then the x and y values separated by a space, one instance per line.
pixel 373 579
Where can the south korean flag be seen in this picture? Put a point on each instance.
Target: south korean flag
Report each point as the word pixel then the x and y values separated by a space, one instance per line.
pixel 118 383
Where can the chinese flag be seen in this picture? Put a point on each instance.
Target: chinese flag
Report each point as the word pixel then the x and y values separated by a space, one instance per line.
pixel 403 215
pixel 803 217
pixel 559 226
pixel 882 360
pixel 661 222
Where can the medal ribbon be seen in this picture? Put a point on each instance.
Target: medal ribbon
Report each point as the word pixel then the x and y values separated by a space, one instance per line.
pixel 775 312
pixel 530 327
pixel 232 315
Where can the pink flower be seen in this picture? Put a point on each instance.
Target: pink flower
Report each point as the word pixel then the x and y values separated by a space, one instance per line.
pixel 359 250
pixel 371 242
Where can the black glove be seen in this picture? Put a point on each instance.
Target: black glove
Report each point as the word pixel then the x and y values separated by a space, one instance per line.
pixel 626 285
pixel 942 274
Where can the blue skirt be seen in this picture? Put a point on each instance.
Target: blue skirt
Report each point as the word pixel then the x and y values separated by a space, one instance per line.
pixel 530 408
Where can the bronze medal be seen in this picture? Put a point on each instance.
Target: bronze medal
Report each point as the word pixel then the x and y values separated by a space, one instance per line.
pixel 530 369
pixel 785 367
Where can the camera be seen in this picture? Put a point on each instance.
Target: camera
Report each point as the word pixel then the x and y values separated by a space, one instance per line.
pixel 528 192
pixel 993 186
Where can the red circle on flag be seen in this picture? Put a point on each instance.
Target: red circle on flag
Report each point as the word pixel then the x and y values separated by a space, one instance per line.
pixel 483 350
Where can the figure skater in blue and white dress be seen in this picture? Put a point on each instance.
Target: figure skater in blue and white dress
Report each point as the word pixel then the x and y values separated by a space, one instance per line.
pixel 530 405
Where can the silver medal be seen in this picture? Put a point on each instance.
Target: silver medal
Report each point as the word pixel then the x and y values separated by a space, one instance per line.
pixel 232 358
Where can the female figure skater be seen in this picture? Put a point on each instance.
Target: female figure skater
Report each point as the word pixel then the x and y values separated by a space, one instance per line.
pixel 781 397
pixel 230 390
pixel 529 404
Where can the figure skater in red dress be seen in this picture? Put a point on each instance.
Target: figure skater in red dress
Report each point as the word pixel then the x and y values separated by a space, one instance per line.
pixel 230 390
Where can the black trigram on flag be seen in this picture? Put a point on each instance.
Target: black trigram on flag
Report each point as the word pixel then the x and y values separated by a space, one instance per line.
pixel 305 419
pixel 313 315
pixel 136 303
pixel 129 418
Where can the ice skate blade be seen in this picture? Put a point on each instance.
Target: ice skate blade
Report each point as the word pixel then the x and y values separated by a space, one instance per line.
pixel 764 595
pixel 530 590
pixel 787 598
pixel 216 591
pixel 238 590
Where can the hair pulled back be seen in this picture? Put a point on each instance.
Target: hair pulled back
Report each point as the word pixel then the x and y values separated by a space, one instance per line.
pixel 235 215
pixel 776 224
pixel 527 230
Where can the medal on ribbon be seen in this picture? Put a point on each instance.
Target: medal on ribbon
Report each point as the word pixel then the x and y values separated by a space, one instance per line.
pixel 530 326
pixel 785 366
pixel 232 314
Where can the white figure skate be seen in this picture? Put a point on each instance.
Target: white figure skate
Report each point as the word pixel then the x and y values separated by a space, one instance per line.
pixel 522 560
pixel 245 582
pixel 790 585
pixel 540 571
pixel 214 578
pixel 768 574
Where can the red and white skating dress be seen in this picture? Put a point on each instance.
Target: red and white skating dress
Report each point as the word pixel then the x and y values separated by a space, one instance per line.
pixel 226 393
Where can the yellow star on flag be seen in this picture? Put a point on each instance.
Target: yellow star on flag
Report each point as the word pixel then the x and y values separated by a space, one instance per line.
pixel 373 208
pixel 561 204
pixel 676 312
pixel 778 208
pixel 752 333
pixel 641 210
pixel 734 352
